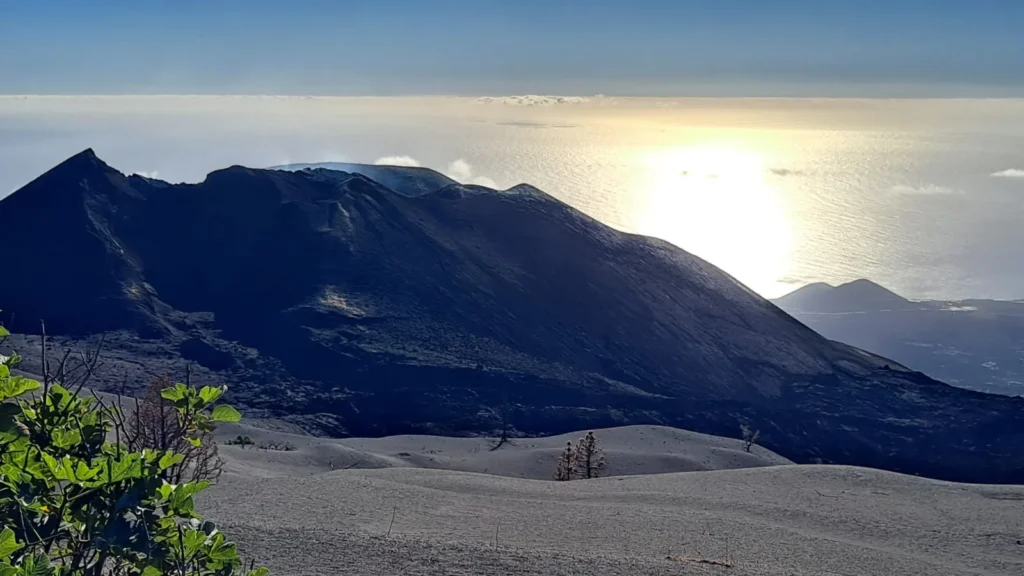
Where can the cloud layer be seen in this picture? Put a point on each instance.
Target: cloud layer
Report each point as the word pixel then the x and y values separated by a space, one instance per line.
pixel 924 190
pixel 1009 173
pixel 532 100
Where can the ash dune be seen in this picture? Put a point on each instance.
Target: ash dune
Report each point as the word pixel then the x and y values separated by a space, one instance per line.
pixel 630 450
pixel 453 498
pixel 771 521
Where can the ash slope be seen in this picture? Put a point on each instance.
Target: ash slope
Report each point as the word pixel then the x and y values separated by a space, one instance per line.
pixel 336 303
pixel 774 521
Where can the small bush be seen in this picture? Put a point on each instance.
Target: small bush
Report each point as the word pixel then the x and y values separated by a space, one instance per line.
pixel 277 446
pixel 240 440
pixel 155 426
pixel 750 436
pixel 74 504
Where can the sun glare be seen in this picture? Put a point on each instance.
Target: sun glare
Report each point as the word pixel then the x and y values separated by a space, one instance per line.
pixel 715 201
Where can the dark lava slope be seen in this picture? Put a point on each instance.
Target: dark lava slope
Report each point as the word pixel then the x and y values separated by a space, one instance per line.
pixel 334 302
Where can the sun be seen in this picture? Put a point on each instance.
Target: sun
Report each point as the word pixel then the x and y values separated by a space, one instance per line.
pixel 715 201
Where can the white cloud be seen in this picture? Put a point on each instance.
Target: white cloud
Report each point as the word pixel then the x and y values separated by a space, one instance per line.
pixel 531 100
pixel 462 171
pixel 924 190
pixel 1009 173
pixel 154 175
pixel 397 161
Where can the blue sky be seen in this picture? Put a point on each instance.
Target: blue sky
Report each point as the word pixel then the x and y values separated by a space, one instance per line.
pixel 622 47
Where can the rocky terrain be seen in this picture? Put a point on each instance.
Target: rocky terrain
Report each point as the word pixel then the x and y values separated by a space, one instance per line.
pixel 335 304
pixel 976 344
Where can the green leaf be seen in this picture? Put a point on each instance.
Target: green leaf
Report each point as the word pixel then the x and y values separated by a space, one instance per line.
pixel 8 570
pixel 165 490
pixel 193 540
pixel 66 439
pixel 56 468
pixel 210 394
pixel 59 397
pixel 173 394
pixel 129 466
pixel 5 372
pixel 16 386
pixel 8 544
pixel 4 332
pixel 38 565
pixel 170 459
pixel 84 473
pixel 226 552
pixel 150 571
pixel 225 413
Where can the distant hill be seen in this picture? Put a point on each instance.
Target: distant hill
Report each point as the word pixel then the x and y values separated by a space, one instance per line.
pixel 407 180
pixel 975 344
pixel 340 305
pixel 856 296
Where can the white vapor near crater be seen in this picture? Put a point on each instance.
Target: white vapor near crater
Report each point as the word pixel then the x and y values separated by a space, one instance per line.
pixel 462 171
pixel 397 161
pixel 1009 173
pixel 459 170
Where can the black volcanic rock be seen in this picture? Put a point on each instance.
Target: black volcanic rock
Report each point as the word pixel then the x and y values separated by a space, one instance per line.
pixel 331 300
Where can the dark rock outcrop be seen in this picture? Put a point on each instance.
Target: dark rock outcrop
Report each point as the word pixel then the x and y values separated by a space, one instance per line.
pixel 331 300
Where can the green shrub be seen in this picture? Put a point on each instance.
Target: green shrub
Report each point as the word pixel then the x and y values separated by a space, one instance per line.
pixel 74 504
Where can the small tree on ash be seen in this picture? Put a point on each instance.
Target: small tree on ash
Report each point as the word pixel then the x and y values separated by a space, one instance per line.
pixel 503 420
pixel 589 458
pixel 156 426
pixel 565 470
pixel 750 436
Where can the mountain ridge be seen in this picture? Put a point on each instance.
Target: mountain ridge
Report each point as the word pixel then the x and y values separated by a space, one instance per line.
pixel 973 343
pixel 323 298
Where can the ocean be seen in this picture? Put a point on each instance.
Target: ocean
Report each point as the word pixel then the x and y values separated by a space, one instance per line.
pixel 925 197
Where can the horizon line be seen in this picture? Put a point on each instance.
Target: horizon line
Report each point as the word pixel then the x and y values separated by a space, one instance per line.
pixel 587 97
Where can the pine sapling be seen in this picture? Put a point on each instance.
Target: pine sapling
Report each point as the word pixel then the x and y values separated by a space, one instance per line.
pixel 589 459
pixel 565 464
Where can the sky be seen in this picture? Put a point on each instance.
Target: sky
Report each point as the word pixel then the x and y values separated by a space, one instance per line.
pixel 495 47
